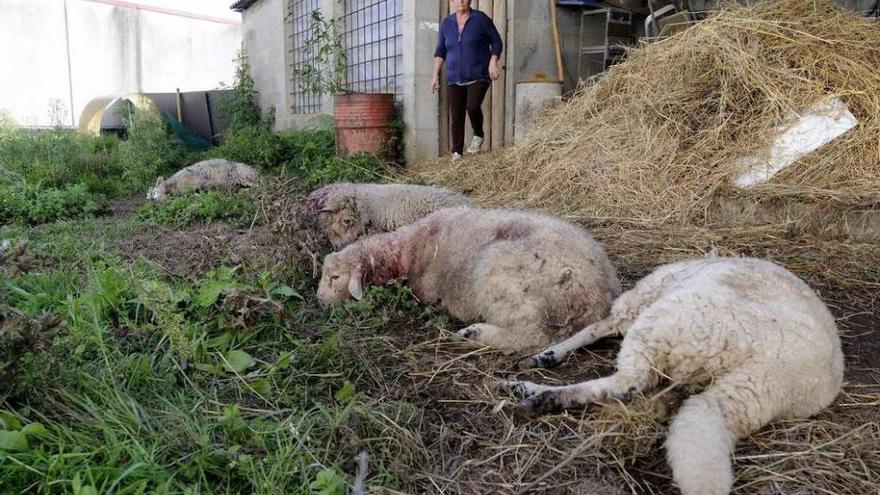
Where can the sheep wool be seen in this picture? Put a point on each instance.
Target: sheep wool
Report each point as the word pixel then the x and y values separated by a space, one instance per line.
pixel 350 211
pixel 767 341
pixel 524 279
pixel 215 174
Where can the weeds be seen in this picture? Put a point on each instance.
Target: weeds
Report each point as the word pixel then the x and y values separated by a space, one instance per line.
pixel 241 107
pixel 179 211
pixel 35 204
pixel 153 388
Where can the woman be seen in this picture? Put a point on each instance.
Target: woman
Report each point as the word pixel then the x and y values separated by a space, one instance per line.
pixel 470 45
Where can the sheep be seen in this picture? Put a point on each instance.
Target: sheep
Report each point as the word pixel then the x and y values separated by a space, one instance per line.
pixel 349 211
pixel 767 340
pixel 523 279
pixel 204 175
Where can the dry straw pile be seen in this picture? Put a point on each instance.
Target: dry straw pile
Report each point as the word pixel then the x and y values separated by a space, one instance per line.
pixel 656 139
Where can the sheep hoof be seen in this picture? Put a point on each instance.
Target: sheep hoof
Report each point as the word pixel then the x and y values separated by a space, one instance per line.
pixel 470 332
pixel 513 387
pixel 547 402
pixel 546 359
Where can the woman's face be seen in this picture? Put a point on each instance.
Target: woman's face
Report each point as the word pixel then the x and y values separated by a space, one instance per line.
pixel 461 6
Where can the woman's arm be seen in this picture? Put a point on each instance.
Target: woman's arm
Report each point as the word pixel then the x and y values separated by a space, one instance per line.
pixel 435 81
pixel 439 57
pixel 496 47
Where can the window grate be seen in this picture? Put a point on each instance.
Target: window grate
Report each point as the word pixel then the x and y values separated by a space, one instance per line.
pixel 373 39
pixel 299 12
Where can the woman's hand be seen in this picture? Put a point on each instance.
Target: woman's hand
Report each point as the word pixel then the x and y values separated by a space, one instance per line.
pixel 494 69
pixel 435 83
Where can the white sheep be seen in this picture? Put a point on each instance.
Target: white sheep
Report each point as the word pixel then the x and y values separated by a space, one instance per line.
pixel 766 339
pixel 216 174
pixel 526 279
pixel 349 211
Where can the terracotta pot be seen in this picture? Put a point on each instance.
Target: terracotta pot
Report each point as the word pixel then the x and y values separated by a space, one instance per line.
pixel 363 122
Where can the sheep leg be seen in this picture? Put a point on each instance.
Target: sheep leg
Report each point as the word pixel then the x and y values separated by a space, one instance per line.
pixel 548 399
pixel 485 333
pixel 634 374
pixel 553 355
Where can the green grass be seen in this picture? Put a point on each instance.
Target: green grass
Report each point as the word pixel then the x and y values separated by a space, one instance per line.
pixel 23 203
pixel 179 211
pixel 117 376
pixel 156 384
pixel 147 388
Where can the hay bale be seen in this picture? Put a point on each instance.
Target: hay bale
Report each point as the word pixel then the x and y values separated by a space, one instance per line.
pixel 656 140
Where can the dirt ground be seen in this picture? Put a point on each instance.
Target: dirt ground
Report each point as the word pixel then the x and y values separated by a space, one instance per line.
pixel 122 207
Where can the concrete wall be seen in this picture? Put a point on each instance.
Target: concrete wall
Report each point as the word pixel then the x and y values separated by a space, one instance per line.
pixel 264 39
pixel 420 105
pixel 529 49
pixel 113 50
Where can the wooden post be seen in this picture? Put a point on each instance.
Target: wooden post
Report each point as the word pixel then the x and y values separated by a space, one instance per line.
pixel 179 106
pixel 499 16
pixel 444 104
pixel 488 9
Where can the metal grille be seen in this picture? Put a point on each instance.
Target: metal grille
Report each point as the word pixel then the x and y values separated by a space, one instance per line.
pixel 300 32
pixel 373 39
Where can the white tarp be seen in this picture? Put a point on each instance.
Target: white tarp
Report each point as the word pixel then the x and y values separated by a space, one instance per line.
pixel 798 136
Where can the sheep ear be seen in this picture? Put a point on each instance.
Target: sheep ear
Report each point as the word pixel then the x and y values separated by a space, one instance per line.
pixel 317 199
pixel 356 284
pixel 159 180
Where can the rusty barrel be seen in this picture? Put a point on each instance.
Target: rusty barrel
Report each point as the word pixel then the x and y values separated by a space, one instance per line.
pixel 363 122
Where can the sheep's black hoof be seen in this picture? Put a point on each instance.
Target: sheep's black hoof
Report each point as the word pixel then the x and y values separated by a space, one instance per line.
pixel 470 332
pixel 547 402
pixel 513 387
pixel 546 359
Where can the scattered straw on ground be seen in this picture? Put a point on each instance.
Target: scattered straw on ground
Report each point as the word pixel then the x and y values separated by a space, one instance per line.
pixel 475 439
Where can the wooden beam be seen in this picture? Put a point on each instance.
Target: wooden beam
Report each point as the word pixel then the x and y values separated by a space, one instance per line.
pixel 499 86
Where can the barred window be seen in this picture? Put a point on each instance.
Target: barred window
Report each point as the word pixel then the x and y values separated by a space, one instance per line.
pixel 373 36
pixel 299 12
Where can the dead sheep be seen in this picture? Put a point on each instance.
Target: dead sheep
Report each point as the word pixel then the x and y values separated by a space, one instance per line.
pixel 523 279
pixel 349 211
pixel 766 340
pixel 215 174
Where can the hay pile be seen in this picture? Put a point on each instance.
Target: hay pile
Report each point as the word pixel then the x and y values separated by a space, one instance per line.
pixel 655 140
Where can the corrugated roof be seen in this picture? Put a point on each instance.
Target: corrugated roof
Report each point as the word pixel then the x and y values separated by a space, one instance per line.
pixel 242 5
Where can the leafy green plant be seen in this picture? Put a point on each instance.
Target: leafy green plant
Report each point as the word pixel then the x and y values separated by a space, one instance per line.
pixel 255 146
pixel 60 157
pixel 23 203
pixel 241 106
pixel 328 482
pixel 326 63
pixel 7 123
pixel 288 151
pixel 201 207
pixel 149 151
pixel 360 167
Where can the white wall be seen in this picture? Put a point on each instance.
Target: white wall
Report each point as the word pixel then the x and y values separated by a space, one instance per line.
pixel 266 45
pixel 113 50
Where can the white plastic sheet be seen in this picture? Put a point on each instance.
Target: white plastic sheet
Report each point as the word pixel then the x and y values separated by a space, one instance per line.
pixel 799 136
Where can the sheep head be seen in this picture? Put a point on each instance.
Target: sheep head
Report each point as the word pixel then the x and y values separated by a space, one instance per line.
pixel 344 226
pixel 157 192
pixel 341 279
pixel 339 217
